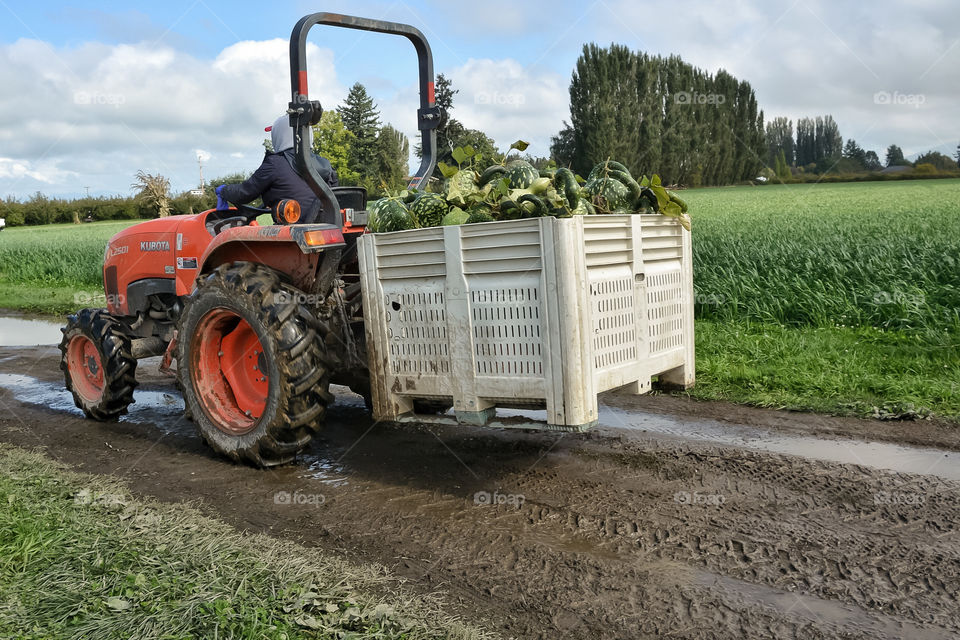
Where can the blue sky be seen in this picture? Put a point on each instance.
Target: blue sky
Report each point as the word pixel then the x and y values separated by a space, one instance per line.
pixel 96 91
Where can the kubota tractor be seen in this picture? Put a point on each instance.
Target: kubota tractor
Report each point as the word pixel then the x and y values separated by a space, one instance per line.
pixel 261 319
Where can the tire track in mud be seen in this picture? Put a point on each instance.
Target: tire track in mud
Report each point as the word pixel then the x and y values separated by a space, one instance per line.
pixel 617 535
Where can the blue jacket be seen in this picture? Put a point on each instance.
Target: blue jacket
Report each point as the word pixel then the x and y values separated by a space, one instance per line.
pixel 276 180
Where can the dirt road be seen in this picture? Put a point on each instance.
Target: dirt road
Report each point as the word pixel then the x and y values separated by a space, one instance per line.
pixel 760 524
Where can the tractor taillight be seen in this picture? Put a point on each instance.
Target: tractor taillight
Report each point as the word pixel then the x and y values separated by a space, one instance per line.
pixel 323 236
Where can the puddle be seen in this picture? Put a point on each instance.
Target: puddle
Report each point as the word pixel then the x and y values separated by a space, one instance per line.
pixel 26 332
pixel 164 410
pixel 879 455
pixel 836 615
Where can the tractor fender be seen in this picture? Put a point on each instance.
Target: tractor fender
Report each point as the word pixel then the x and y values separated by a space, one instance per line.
pixel 292 250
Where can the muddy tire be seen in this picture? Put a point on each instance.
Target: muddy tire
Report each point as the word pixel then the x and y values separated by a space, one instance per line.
pixel 97 364
pixel 253 365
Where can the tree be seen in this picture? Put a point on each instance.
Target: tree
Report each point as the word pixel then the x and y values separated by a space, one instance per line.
pixel 780 140
pixel 562 146
pixel 895 156
pixel 872 161
pixel 154 191
pixel 333 141
pixel 393 151
pixel 940 161
pixel 361 118
pixel 853 151
pixel 957 155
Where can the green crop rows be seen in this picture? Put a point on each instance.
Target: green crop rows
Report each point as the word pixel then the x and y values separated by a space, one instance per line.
pixel 884 255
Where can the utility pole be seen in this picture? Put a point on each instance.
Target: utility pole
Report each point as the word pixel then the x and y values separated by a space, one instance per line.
pixel 200 162
pixel 88 191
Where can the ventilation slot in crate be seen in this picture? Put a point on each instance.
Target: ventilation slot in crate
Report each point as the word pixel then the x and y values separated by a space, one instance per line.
pixel 614 323
pixel 665 310
pixel 507 331
pixel 417 328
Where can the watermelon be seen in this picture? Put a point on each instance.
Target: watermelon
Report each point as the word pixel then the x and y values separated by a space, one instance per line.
pixel 521 174
pixel 479 216
pixel 428 209
pixel 609 195
pixel 389 214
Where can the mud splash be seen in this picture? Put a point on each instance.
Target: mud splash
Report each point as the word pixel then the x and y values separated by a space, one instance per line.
pixel 28 332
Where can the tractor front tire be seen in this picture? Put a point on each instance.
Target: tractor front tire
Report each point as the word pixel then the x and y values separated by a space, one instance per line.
pixel 97 364
pixel 253 366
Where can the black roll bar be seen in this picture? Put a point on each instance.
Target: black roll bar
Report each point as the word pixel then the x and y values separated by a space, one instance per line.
pixel 305 113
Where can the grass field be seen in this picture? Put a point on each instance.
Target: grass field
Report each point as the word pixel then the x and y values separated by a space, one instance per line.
pixel 81 558
pixel 842 298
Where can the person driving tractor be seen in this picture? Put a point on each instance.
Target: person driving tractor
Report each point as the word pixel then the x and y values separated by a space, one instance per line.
pixel 279 178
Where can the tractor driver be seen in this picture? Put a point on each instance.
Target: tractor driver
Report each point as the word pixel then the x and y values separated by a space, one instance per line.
pixel 278 178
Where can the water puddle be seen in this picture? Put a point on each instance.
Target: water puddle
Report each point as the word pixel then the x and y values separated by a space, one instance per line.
pixel 165 410
pixel 837 615
pixel 879 455
pixel 27 332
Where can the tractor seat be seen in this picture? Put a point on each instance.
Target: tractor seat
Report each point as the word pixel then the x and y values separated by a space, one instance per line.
pixel 219 221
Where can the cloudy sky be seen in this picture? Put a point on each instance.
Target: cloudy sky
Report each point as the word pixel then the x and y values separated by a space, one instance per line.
pixel 92 94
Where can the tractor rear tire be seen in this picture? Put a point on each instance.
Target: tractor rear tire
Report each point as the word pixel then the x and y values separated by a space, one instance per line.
pixel 253 365
pixel 97 364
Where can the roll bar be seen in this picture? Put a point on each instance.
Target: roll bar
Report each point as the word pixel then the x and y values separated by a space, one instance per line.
pixel 305 113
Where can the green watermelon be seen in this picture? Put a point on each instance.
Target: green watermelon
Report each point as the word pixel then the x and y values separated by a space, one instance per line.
pixel 609 195
pixel 428 209
pixel 479 216
pixel 389 214
pixel 521 174
pixel 454 217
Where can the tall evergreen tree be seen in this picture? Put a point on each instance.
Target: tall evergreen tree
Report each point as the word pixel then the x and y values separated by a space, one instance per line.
pixel 894 155
pixel 361 118
pixel 855 152
pixel 780 140
pixel 393 151
pixel 957 155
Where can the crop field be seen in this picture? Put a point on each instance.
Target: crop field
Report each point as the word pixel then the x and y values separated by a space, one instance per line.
pixel 878 255
pixel 842 298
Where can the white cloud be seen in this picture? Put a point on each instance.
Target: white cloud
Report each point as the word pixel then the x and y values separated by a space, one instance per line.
pixel 111 110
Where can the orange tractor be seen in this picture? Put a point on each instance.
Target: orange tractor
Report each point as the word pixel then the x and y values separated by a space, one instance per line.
pixel 261 319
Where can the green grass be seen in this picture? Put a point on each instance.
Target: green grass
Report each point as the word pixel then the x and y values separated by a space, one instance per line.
pixel 842 298
pixel 53 268
pixel 81 558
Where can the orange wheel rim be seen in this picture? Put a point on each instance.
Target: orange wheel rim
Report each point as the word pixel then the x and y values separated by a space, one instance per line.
pixel 229 371
pixel 86 368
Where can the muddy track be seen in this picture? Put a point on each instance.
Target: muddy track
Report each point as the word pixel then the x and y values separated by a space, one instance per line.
pixel 612 534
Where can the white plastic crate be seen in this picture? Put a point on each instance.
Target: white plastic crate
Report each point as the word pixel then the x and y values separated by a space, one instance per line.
pixel 541 313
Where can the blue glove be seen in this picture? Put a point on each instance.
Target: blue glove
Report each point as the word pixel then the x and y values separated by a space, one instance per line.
pixel 222 205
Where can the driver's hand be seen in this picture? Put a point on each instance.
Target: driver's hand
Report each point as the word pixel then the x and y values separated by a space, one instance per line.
pixel 222 205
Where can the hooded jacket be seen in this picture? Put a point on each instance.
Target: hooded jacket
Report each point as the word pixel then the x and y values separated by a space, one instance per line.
pixel 278 177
